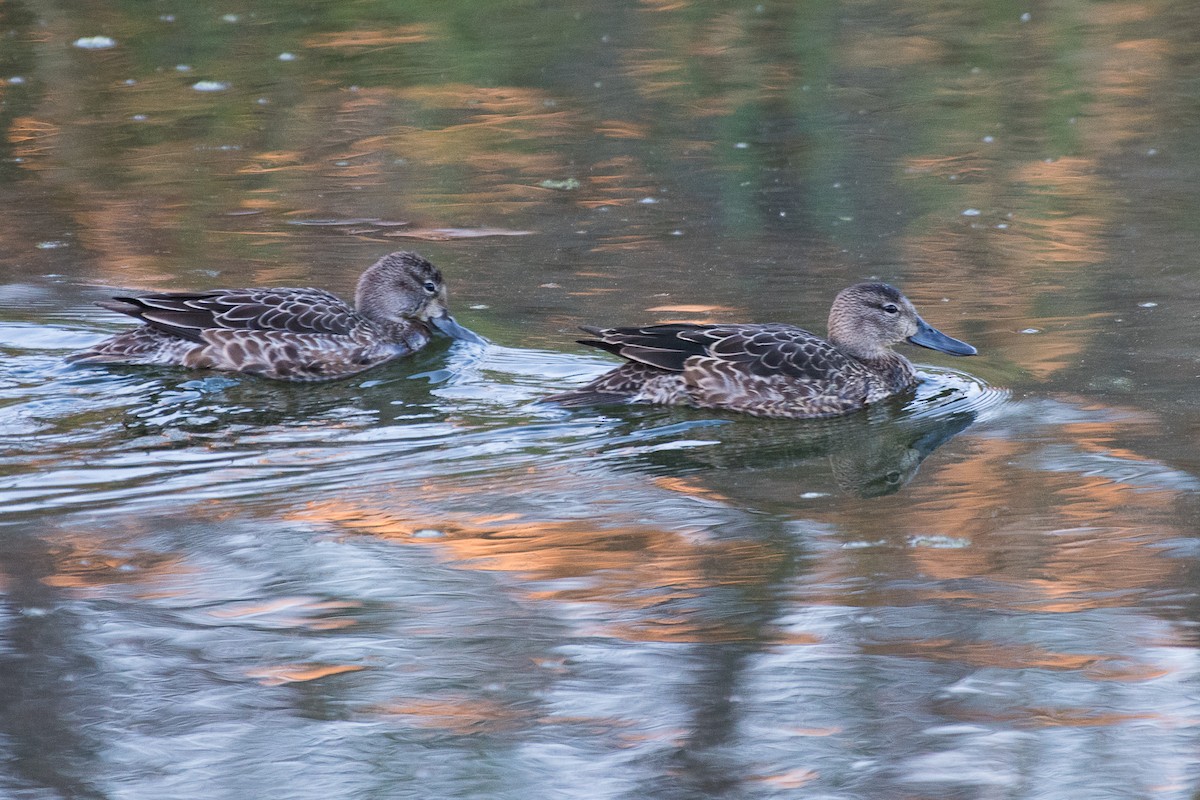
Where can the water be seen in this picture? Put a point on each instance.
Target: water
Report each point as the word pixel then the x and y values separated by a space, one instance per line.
pixel 423 582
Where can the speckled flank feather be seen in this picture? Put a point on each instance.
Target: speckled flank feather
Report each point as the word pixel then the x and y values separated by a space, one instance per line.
pixel 770 370
pixel 295 334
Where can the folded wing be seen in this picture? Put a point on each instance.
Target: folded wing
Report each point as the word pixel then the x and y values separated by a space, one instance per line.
pixel 189 314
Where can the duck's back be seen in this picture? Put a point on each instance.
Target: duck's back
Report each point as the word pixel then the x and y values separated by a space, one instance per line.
pixel 771 369
pixel 287 333
pixel 286 309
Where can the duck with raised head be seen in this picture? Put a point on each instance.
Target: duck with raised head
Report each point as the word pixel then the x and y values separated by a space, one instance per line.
pixel 291 334
pixel 771 369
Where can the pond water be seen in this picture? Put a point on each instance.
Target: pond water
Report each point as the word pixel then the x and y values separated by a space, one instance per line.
pixel 423 582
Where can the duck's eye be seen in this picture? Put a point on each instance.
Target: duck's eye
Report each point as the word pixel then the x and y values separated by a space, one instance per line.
pixel 890 308
pixel 430 287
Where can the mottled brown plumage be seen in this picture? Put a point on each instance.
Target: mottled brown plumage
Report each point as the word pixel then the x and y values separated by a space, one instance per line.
pixel 294 334
pixel 772 369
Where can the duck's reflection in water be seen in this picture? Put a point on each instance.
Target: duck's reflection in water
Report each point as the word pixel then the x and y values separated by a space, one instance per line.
pixel 769 464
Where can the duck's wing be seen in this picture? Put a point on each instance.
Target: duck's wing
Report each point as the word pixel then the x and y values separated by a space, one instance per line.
pixel 189 314
pixel 766 350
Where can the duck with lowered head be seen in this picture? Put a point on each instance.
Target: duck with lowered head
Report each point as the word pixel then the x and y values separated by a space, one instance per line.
pixel 771 369
pixel 292 334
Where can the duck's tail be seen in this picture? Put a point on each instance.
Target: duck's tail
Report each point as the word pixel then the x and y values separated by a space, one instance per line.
pixel 586 396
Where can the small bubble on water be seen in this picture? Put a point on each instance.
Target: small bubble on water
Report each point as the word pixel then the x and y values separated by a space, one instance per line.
pixel 813 495
pixel 1148 304
pixel 1031 330
pixel 479 307
pixel 230 18
pixel 95 42
pixel 166 17
pixel 139 118
pixel 742 145
pixel 649 201
pixel 427 533
pixel 1002 226
pixel 989 139
pixel 210 86
pixel 287 56
pixel 677 233
pixel 937 541
pixel 971 212
pixel 1153 151
pixel 1026 17
pixel 16 80
pixel 52 244
pixel 183 67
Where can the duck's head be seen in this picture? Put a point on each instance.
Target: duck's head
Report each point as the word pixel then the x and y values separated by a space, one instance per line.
pixel 868 318
pixel 403 286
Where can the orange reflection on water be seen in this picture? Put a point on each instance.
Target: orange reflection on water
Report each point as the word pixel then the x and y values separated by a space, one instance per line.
pixel 1031 717
pixel 791 779
pixel 31 138
pixel 872 51
pixel 292 612
pixel 997 528
pixel 461 714
pixel 646 571
pixel 1006 655
pixel 372 39
pixel 83 563
pixel 1126 73
pixel 299 673
pixel 621 129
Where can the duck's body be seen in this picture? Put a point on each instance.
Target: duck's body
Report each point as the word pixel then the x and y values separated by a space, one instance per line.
pixel 772 369
pixel 294 334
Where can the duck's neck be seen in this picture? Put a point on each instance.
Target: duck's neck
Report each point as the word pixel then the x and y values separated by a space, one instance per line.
pixel 896 371
pixel 410 332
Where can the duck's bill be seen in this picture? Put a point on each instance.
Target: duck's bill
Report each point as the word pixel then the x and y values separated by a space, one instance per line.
pixel 446 325
pixel 931 337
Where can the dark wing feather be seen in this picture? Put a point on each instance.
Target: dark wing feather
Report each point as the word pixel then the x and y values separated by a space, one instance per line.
pixel 663 346
pixel 767 350
pixel 188 314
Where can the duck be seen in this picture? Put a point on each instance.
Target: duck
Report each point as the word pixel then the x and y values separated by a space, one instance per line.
pixel 769 369
pixel 287 334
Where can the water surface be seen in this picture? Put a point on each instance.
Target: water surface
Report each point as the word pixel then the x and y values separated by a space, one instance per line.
pixel 423 582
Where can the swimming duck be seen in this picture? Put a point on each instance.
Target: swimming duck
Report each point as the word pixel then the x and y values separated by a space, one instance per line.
pixel 772 369
pixel 287 333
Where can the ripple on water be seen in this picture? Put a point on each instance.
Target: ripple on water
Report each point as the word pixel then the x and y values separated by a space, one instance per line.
pixel 948 391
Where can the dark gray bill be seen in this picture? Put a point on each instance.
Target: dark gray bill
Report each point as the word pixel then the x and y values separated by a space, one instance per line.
pixel 931 337
pixel 448 326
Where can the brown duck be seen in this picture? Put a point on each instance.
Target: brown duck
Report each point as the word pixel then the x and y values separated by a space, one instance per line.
pixel 288 334
pixel 771 369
